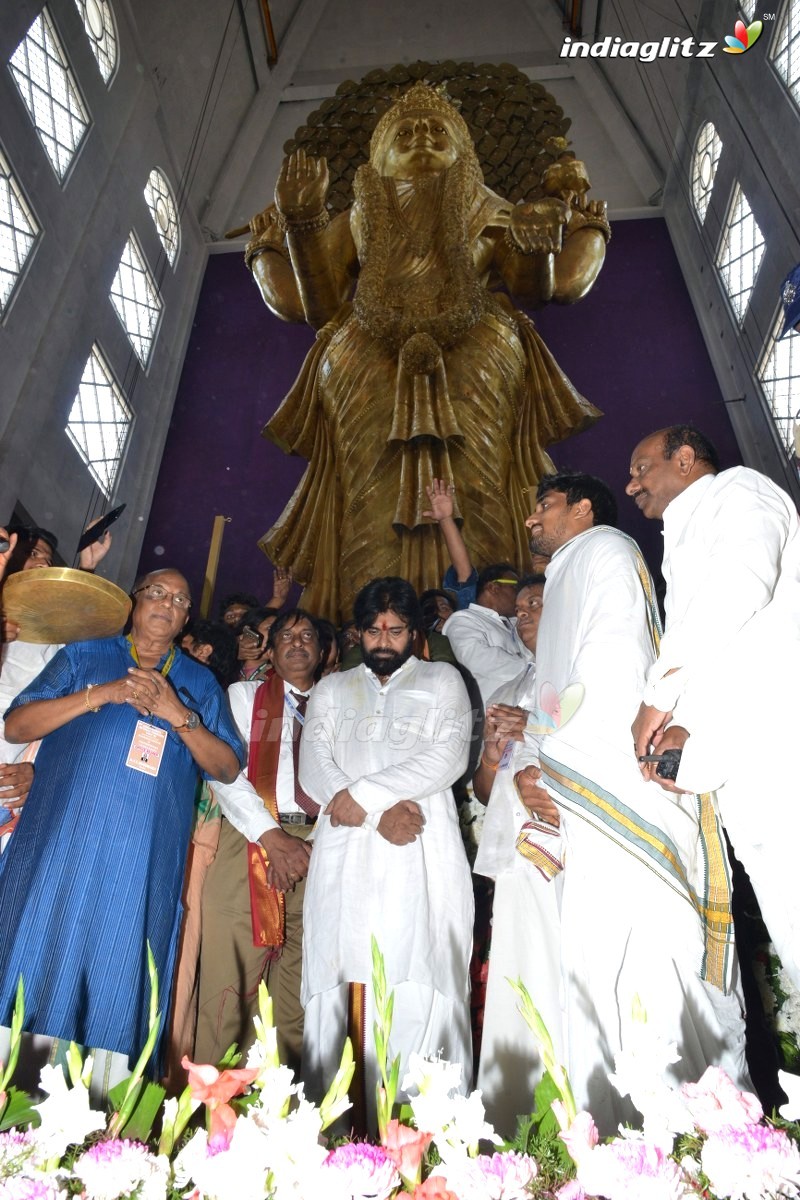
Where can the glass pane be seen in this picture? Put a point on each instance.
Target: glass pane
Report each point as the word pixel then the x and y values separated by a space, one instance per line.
pixel 50 92
pixel 18 232
pixel 161 203
pixel 136 299
pixel 98 21
pixel 740 252
pixel 779 376
pixel 786 55
pixel 707 150
pixel 99 421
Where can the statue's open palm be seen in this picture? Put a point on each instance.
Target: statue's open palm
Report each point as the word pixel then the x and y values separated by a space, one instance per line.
pixel 302 186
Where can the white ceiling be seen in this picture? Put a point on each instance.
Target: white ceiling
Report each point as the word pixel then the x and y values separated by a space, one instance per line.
pixel 227 112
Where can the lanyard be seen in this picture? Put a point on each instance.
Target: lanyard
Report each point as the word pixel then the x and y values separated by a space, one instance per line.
pixel 294 710
pixel 167 667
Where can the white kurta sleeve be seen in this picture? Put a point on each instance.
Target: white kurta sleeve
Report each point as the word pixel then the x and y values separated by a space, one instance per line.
pixel 239 801
pixel 735 568
pixel 488 662
pixel 436 760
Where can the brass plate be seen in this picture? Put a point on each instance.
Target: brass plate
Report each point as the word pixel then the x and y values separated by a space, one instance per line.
pixel 60 604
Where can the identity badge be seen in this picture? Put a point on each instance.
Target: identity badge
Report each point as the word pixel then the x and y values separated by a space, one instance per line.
pixel 147 748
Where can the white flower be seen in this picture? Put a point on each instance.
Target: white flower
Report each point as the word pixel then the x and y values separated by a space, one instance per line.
pixel 640 1068
pixel 469 1124
pixel 432 1076
pixel 41 1186
pixel 190 1158
pixel 275 1086
pixel 16 1148
pixel 790 1111
pixel 627 1168
pixel 115 1168
pixel 751 1162
pixel 491 1177
pixel 294 1153
pixel 236 1172
pixel 437 1081
pixel 65 1116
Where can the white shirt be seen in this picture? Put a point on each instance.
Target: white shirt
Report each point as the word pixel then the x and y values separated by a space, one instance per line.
pixel 732 639
pixel 21 663
pixel 487 645
pixel 239 801
pixel 405 739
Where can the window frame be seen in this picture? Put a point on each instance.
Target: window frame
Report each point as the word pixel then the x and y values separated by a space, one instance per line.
pixel 48 20
pixel 146 363
pixel 737 188
pixel 6 306
pixel 106 368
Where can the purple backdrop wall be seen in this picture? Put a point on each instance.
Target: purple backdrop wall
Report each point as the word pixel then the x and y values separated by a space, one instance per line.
pixel 632 347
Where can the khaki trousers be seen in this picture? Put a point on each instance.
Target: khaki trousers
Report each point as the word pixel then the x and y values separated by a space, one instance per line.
pixel 231 967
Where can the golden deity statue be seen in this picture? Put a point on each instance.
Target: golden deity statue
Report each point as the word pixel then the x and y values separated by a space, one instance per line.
pixel 422 368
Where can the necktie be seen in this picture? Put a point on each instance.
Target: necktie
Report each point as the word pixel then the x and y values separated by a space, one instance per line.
pixel 302 800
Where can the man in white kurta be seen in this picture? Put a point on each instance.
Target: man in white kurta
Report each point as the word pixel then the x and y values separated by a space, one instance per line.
pixel 380 751
pixel 484 637
pixel 525 937
pixel 645 912
pixel 724 687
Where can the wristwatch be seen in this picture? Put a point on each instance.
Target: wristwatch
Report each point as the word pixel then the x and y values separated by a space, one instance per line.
pixel 192 722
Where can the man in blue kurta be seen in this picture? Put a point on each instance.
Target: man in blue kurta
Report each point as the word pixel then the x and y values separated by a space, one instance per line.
pixel 94 870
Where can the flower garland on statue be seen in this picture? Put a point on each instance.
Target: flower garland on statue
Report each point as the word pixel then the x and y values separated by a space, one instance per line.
pixel 263 1140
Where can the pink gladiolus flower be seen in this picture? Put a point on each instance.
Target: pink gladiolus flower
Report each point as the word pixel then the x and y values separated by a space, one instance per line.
pixel 580 1137
pixel 714 1102
pixel 215 1088
pixel 752 1160
pixel 405 1147
pixel 434 1188
pixel 571 1190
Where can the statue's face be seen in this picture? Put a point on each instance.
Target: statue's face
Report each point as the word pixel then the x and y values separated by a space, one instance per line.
pixel 419 145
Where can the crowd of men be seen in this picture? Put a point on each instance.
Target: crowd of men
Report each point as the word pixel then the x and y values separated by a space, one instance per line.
pixel 314 806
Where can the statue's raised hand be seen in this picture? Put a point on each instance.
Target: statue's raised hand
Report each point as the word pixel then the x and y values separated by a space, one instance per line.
pixel 537 228
pixel 588 213
pixel 302 186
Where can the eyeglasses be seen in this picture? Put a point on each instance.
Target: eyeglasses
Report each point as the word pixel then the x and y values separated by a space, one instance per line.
pixel 154 591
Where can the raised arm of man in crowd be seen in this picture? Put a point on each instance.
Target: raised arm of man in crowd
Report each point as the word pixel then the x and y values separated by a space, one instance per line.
pixel 462 576
pixel 281 586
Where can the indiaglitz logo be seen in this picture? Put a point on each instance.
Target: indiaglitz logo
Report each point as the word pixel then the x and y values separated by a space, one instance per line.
pixel 743 37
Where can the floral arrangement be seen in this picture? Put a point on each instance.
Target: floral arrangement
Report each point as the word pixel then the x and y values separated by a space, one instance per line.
pixel 263 1140
pixel 781 1001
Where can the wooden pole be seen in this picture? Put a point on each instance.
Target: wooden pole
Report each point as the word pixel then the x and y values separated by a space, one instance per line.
pixel 214 548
